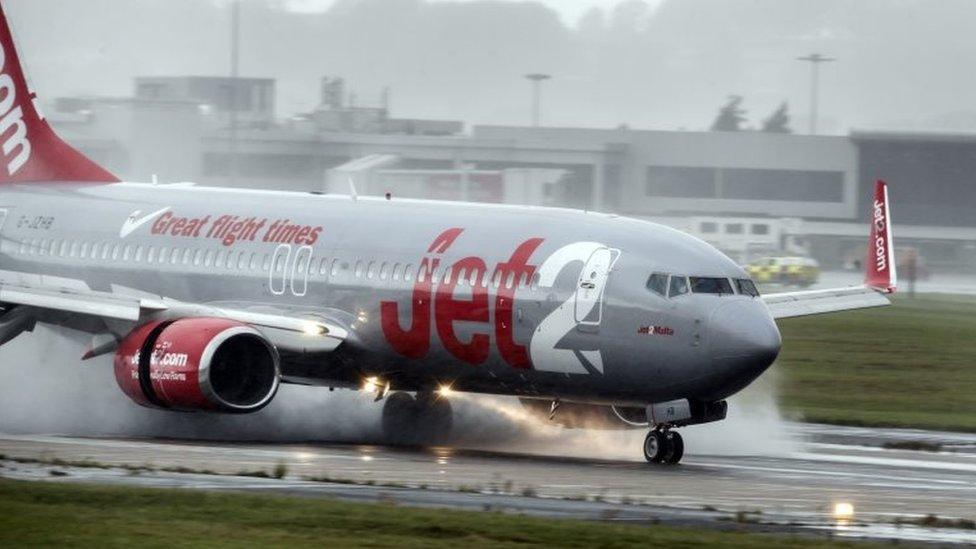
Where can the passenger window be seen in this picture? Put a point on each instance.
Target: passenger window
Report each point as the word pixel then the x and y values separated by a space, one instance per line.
pixel 706 285
pixel 371 270
pixel 151 255
pixel 474 278
pixel 461 276
pixel 163 254
pixel 658 283
pixel 208 259
pixel 396 272
pixel 496 280
pixel 510 280
pixel 335 267
pixel 175 256
pixel 64 248
pixel 242 260
pixel 679 286
pixel 138 253
pixel 408 273
pixel 534 284
pixel 85 248
pixel 197 257
pixel 74 249
pixel 127 253
pixel 384 271
pixel 187 254
pixel 265 262
pixel 253 262
pixel 746 287
pixel 323 266
pixel 359 269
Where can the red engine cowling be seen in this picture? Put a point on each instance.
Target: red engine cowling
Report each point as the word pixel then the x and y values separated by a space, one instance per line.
pixel 198 364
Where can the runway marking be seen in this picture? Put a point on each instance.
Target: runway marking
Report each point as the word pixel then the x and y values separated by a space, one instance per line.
pixel 889 462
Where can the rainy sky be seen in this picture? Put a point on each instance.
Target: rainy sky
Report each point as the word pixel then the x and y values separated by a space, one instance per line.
pixel 667 64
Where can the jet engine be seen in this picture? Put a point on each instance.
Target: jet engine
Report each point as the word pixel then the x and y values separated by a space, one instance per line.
pixel 198 364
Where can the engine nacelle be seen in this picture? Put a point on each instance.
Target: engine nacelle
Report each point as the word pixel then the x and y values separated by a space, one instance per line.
pixel 198 364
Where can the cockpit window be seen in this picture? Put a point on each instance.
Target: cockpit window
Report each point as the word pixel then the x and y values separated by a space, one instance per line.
pixel 658 283
pixel 705 285
pixel 746 287
pixel 679 285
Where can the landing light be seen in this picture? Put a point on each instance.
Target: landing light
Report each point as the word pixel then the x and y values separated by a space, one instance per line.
pixel 314 330
pixel 843 511
pixel 371 384
pixel 445 391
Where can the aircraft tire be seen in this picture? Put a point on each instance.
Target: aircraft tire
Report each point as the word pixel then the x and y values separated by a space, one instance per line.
pixel 434 419
pixel 675 448
pixel 655 446
pixel 399 417
pixel 426 419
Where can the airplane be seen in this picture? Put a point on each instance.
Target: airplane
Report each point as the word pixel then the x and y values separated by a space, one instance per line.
pixel 209 298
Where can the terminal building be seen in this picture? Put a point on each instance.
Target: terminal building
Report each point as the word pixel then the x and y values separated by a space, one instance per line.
pixel 749 193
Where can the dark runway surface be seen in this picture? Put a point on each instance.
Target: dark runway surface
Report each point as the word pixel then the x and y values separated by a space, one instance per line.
pixel 796 488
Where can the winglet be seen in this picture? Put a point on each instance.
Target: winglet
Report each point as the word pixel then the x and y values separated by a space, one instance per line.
pixel 880 270
pixel 30 151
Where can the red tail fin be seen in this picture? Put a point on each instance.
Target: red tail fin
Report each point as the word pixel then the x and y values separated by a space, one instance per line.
pixel 880 269
pixel 29 148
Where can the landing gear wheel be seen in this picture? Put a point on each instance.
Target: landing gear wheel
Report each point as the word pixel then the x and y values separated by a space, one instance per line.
pixel 664 446
pixel 424 420
pixel 435 418
pixel 676 448
pixel 655 446
pixel 399 413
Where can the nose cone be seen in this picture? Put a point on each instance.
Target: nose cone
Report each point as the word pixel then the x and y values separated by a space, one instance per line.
pixel 744 341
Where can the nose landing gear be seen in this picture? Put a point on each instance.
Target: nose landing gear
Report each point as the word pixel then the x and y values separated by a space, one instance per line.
pixel 663 445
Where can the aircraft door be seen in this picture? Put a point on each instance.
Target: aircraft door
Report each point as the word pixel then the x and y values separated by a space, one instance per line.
pixel 278 271
pixel 299 275
pixel 3 218
pixel 592 285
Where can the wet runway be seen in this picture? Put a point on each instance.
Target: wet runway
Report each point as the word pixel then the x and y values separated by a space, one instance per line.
pixel 798 489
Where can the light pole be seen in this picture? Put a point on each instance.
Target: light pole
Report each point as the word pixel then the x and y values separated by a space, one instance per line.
pixel 536 78
pixel 235 35
pixel 815 59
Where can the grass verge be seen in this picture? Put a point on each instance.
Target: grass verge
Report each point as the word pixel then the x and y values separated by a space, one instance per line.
pixel 71 515
pixel 910 365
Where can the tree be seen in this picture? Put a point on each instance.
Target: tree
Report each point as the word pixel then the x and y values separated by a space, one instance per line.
pixel 730 116
pixel 779 121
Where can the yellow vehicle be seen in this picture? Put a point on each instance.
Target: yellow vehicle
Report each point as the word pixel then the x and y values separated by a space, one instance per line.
pixel 799 271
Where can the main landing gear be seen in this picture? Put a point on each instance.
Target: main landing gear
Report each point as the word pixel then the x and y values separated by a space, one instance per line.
pixel 664 446
pixel 421 420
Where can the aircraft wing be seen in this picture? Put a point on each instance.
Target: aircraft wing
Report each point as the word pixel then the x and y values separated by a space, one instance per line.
pixel 814 302
pixel 23 304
